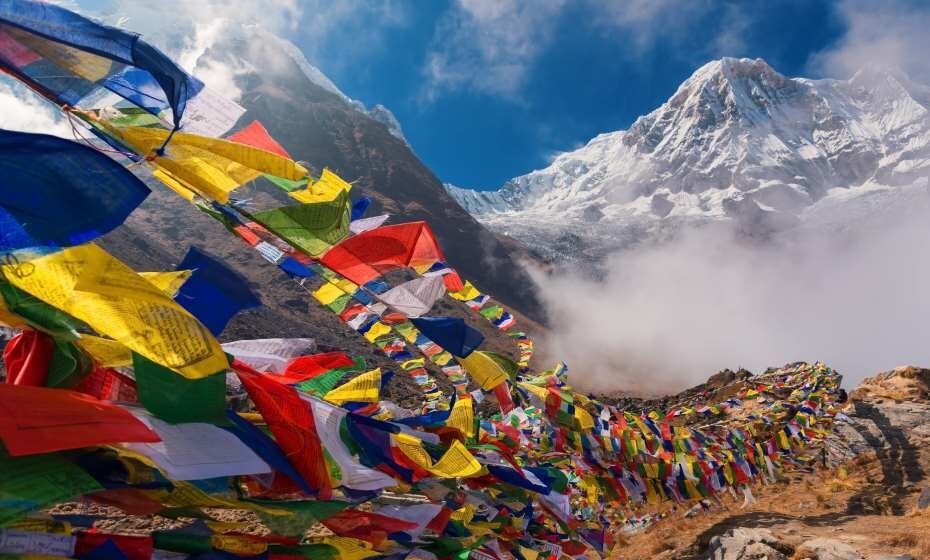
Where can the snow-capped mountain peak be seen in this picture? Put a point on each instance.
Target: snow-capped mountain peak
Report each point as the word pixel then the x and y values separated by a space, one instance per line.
pixel 737 140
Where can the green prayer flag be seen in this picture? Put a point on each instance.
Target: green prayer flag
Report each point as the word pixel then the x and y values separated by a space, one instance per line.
pixel 174 398
pixel 491 312
pixel 187 543
pixel 68 365
pixel 326 382
pixel 339 304
pixel 318 551
pixel 505 363
pixel 302 514
pixel 286 184
pixel 40 315
pixel 36 481
pixel 313 227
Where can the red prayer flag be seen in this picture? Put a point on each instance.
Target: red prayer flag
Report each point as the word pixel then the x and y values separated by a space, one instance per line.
pixel 42 420
pixel 366 526
pixel 130 500
pixel 27 357
pixel 291 421
pixel 303 368
pixel 134 548
pixel 256 135
pixel 17 53
pixel 108 385
pixel 439 522
pixel 248 235
pixel 453 282
pixel 366 256
pixel 502 392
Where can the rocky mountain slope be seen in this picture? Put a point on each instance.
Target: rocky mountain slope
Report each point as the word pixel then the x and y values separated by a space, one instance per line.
pixel 737 141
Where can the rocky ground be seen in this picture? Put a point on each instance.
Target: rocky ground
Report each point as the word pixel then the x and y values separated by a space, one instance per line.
pixel 871 501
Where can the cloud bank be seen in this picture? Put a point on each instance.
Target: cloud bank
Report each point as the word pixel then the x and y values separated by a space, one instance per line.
pixel 667 316
pixel 24 111
pixel 893 33
pixel 489 45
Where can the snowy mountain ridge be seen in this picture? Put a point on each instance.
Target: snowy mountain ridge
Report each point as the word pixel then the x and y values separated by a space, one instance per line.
pixel 736 141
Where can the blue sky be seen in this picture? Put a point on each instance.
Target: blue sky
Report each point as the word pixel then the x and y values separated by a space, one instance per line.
pixel 585 77
pixel 486 90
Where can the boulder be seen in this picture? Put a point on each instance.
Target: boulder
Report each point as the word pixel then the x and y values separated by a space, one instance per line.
pixel 747 544
pixel 923 501
pixel 827 549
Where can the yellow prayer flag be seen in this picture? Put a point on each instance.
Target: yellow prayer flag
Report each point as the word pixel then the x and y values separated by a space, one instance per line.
pixel 464 514
pixel 328 293
pixel 443 358
pixel 364 388
pixel 457 462
pixel 344 284
pixel 238 545
pixel 174 184
pixel 462 417
pixel 106 352
pixel 412 363
pixel 93 286
pixel 469 291
pixel 484 370
pixel 211 167
pixel 168 282
pixel 377 330
pixel 584 418
pixel 581 399
pixel 537 391
pixel 326 189
pixel 350 549
pixel 10 319
pixel 591 488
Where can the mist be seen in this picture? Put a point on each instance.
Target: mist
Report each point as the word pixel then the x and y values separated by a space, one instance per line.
pixel 666 316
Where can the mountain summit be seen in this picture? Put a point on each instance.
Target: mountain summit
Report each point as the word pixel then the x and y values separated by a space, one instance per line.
pixel 736 141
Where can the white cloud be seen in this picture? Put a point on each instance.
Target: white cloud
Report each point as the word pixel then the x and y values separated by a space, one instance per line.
pixel 643 24
pixel 666 317
pixel 188 31
pixel 489 45
pixel 23 111
pixel 891 34
pixel 644 21
pixel 731 39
